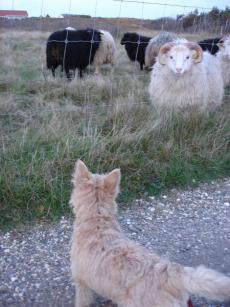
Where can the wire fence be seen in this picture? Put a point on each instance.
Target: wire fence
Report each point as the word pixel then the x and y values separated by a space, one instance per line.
pixel 192 21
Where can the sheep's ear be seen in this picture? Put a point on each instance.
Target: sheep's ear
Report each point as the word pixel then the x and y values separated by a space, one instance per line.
pixel 81 173
pixel 198 52
pixel 163 51
pixel 112 181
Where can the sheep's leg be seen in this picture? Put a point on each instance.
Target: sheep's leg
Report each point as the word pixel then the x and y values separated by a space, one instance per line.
pixel 53 71
pixel 68 74
pixel 80 73
pixel 84 295
pixel 97 70
pixel 112 67
pixel 53 68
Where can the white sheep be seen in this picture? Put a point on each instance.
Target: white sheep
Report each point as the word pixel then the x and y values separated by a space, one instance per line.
pixel 224 56
pixel 185 76
pixel 106 51
pixel 154 45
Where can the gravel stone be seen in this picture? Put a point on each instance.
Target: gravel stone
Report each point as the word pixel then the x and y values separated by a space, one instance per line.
pixel 191 227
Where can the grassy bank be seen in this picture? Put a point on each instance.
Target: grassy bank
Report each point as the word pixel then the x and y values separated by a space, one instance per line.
pixel 106 121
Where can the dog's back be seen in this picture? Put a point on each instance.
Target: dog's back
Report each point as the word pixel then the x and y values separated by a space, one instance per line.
pixel 105 261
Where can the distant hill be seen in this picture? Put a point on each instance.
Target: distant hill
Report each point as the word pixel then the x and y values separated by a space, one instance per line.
pixel 216 21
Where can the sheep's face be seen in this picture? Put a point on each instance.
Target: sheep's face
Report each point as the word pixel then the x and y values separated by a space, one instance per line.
pixel 181 57
pixel 224 46
pixel 129 37
pixel 125 38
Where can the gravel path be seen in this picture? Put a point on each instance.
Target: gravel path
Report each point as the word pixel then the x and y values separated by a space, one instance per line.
pixel 191 227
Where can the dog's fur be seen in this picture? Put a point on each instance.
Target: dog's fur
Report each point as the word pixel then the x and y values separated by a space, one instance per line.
pixel 105 261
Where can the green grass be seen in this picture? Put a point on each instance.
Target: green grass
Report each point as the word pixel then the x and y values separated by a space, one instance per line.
pixel 106 121
pixel 36 169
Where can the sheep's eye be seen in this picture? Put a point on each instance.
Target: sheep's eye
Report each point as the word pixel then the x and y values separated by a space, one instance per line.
pixel 187 57
pixel 171 57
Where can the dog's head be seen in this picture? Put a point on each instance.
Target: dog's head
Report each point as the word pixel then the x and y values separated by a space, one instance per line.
pixel 101 189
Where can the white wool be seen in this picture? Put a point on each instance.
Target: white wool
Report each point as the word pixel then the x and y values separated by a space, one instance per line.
pixel 180 40
pixel 154 45
pixel 224 56
pixel 225 66
pixel 105 54
pixel 201 85
pixel 70 29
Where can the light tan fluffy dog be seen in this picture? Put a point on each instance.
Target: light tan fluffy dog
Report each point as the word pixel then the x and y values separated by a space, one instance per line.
pixel 105 261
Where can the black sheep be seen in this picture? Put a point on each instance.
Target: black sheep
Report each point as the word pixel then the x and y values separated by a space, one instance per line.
pixel 72 49
pixel 210 44
pixel 135 46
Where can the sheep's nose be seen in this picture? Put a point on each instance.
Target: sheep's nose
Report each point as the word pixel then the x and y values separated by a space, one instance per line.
pixel 179 70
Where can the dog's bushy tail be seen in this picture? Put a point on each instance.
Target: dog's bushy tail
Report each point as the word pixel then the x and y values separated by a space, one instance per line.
pixel 199 281
pixel 205 282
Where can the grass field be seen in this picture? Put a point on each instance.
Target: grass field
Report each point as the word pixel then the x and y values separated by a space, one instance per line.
pixel 107 120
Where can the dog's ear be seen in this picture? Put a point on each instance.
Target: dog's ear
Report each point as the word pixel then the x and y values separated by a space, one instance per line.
pixel 81 173
pixel 112 181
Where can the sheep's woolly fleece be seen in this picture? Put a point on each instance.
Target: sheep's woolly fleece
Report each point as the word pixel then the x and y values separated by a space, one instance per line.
pixel 201 85
pixel 224 56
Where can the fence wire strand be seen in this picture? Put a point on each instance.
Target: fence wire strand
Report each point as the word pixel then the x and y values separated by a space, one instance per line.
pixel 167 4
pixel 197 26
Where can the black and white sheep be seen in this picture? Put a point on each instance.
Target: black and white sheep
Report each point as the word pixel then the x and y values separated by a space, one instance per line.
pixel 210 44
pixel 105 54
pixel 72 49
pixel 135 46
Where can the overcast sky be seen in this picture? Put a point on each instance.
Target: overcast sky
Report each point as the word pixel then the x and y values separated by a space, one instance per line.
pixel 110 8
